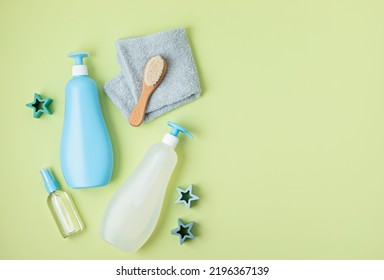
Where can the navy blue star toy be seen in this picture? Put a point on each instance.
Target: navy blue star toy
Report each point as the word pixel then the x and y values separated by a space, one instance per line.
pixel 40 105
pixel 186 196
pixel 183 231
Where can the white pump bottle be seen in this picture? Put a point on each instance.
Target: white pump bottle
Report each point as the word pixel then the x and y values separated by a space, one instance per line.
pixel 134 210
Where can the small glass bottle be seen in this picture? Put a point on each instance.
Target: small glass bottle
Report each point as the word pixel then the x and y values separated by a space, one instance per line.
pixel 62 208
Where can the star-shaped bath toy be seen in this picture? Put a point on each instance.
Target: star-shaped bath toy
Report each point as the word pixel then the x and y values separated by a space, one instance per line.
pixel 186 196
pixel 40 106
pixel 183 231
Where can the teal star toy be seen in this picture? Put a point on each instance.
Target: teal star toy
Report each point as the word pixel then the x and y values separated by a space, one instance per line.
pixel 40 106
pixel 186 196
pixel 183 231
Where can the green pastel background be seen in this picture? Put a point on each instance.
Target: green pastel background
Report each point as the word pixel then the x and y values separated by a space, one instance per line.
pixel 288 153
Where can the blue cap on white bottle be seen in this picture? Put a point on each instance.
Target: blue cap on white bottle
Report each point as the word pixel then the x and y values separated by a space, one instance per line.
pixel 171 138
pixel 50 182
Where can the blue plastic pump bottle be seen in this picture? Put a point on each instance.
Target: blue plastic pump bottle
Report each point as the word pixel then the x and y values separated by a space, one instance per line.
pixel 86 151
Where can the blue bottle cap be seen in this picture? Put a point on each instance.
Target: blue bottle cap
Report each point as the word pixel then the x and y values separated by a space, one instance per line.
pixel 78 56
pixel 79 69
pixel 50 182
pixel 178 128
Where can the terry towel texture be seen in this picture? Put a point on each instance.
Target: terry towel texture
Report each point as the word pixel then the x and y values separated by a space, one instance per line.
pixel 181 82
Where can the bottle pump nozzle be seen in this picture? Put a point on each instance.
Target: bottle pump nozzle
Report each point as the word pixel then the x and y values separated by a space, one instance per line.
pixel 78 56
pixel 178 128
pixel 79 69
pixel 171 138
pixel 49 181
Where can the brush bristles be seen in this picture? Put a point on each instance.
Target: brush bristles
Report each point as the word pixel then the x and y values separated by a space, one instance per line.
pixel 153 70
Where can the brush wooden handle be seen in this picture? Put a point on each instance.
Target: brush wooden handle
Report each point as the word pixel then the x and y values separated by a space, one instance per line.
pixel 138 112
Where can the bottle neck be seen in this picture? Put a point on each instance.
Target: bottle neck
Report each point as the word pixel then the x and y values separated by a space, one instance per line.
pixel 170 140
pixel 79 70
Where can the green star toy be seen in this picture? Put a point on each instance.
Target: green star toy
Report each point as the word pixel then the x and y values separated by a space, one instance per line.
pixel 183 231
pixel 186 196
pixel 40 106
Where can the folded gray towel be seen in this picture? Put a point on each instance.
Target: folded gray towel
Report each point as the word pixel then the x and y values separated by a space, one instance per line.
pixel 181 82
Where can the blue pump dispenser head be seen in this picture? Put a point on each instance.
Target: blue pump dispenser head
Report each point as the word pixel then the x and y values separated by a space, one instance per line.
pixel 79 69
pixel 50 182
pixel 178 128
pixel 78 56
pixel 171 138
